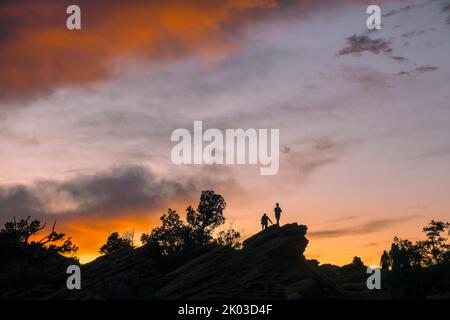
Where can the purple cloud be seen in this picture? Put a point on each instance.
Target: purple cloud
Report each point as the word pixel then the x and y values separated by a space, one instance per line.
pixel 361 43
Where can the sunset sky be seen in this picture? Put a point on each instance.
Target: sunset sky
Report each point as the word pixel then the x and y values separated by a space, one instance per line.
pixel 364 116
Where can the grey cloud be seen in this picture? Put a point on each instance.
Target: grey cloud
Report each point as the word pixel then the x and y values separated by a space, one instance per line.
pixel 421 69
pixel 398 58
pixel 19 201
pixel 105 194
pixel 426 68
pixel 121 189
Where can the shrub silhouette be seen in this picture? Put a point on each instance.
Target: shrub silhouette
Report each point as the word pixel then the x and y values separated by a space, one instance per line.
pixel 229 238
pixel 421 268
pixel 357 262
pixel 116 243
pixel 172 237
pixel 17 235
pixel 175 236
pixel 206 218
pixel 435 249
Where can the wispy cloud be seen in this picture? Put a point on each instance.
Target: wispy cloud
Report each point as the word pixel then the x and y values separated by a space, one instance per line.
pixel 407 8
pixel 343 219
pixel 412 33
pixel 399 58
pixel 319 153
pixel 436 152
pixel 426 68
pixel 365 228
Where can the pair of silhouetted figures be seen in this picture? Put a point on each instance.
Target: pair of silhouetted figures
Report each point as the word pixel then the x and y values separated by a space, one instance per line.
pixel 265 219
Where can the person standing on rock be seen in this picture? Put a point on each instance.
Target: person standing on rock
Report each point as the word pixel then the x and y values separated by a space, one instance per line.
pixel 384 261
pixel 265 221
pixel 277 210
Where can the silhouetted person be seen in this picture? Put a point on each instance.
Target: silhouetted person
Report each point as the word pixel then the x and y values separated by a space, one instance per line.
pixel 277 210
pixel 265 221
pixel 384 261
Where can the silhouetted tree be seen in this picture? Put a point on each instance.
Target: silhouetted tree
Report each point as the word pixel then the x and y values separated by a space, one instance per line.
pixel 405 255
pixel 422 268
pixel 171 237
pixel 17 234
pixel 116 243
pixel 175 236
pixel 129 235
pixel 230 238
pixel 207 217
pixel 435 248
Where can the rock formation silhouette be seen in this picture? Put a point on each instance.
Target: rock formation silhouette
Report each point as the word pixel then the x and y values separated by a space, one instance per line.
pixel 270 265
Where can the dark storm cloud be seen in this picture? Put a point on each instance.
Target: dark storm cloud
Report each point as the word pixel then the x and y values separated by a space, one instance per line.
pixel 105 194
pixel 365 228
pixel 120 189
pixel 361 43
